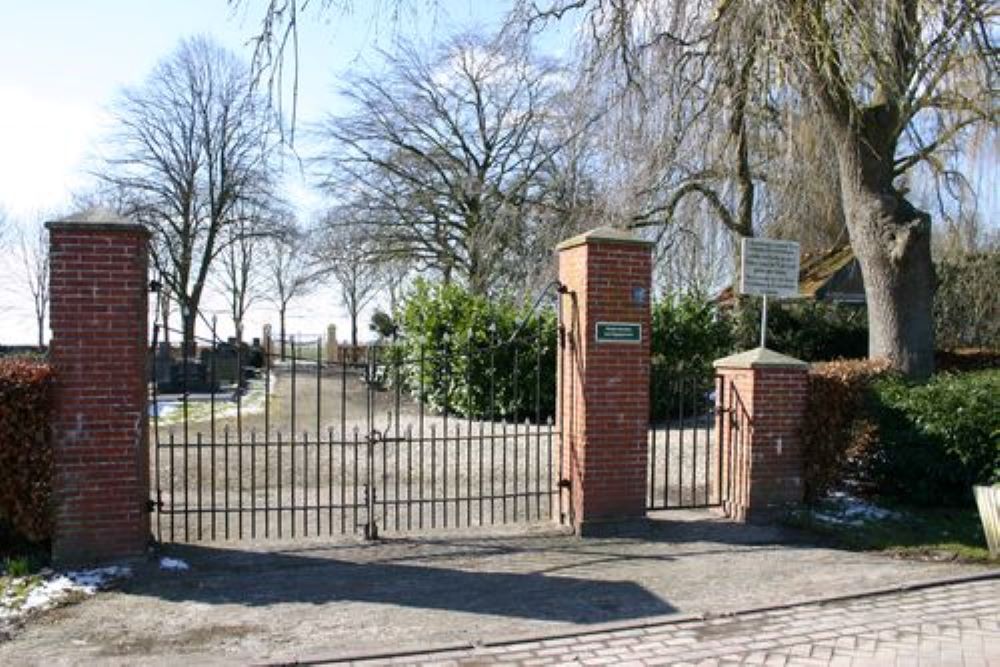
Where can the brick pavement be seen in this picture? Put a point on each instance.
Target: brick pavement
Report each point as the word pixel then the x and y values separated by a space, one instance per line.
pixel 950 624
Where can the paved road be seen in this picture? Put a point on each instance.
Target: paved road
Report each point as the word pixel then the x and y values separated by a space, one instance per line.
pixel 956 624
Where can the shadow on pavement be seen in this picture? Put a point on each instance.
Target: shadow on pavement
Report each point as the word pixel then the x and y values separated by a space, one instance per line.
pixel 268 578
pixel 540 576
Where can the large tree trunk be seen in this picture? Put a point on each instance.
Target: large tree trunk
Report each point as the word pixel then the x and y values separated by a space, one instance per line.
pixel 891 239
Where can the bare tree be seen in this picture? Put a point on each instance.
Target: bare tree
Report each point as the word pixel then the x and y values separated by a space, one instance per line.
pixel 33 253
pixel 194 150
pixel 443 155
pixel 895 84
pixel 346 254
pixel 291 273
pixel 242 275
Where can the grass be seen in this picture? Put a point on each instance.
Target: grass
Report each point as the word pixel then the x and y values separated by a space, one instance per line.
pixel 912 532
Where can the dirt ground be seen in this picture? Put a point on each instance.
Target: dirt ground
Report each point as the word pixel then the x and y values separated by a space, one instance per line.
pixel 281 602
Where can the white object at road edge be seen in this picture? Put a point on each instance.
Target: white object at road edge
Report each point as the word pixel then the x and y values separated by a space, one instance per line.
pixel 175 564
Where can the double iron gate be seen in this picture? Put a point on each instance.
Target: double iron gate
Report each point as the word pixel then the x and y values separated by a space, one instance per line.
pixel 289 439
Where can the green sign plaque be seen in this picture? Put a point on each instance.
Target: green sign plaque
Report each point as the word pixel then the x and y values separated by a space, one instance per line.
pixel 619 332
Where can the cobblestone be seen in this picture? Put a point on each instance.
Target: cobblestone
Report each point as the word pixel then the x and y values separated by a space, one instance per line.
pixel 951 624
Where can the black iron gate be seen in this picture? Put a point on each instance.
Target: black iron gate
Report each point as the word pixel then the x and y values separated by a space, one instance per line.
pixel 685 462
pixel 292 439
pixel 698 429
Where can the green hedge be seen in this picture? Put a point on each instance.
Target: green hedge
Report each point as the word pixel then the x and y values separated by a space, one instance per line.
pixel 966 303
pixel 938 438
pixel 25 452
pixel 807 330
pixel 688 335
pixel 475 356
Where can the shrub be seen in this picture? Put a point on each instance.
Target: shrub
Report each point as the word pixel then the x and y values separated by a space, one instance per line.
pixel 687 336
pixel 938 438
pixel 807 330
pixel 966 304
pixel 475 356
pixel 25 450
pixel 835 432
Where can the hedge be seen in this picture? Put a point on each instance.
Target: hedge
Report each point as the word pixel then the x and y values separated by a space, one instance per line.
pixel 25 450
pixel 473 356
pixel 837 435
pixel 919 443
pixel 938 438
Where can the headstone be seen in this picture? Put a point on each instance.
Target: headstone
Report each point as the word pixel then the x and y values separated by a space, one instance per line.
pixel 331 343
pixel 266 338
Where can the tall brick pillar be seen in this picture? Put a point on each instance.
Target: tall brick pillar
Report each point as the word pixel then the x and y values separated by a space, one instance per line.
pixel 98 313
pixel 763 403
pixel 604 378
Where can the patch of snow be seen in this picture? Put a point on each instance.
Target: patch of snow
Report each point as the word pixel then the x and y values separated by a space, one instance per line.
pixel 846 509
pixel 55 588
pixel 173 564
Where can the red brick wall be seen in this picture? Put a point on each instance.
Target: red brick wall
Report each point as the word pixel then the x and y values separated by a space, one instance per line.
pixel 763 462
pixel 604 415
pixel 98 319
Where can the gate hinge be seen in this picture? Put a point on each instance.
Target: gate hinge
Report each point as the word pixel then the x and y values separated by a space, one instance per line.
pixel 154 505
pixel 565 484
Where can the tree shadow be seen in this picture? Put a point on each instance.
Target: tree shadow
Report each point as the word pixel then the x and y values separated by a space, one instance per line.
pixel 539 576
pixel 224 576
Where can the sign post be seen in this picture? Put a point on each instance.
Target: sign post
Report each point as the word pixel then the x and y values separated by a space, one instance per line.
pixel 768 268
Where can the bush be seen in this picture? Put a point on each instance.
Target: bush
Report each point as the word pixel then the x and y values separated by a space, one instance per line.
pixel 25 450
pixel 687 336
pixel 938 438
pixel 477 357
pixel 966 304
pixel 835 433
pixel 807 330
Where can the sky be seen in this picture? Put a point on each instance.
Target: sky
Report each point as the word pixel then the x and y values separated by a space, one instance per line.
pixel 65 61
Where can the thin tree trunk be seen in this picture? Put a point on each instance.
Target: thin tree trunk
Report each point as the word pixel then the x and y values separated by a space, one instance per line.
pixel 189 326
pixel 41 331
pixel 281 317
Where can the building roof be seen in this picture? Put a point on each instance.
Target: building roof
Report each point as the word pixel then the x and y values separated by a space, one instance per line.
pixel 816 271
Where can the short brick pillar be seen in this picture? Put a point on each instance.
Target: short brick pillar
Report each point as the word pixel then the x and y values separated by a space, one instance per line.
pixel 763 401
pixel 98 314
pixel 604 378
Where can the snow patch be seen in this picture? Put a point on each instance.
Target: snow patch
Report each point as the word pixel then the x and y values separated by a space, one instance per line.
pixel 55 588
pixel 845 509
pixel 175 564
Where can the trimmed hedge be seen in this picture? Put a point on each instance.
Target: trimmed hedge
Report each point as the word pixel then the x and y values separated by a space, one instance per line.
pixel 25 450
pixel 807 330
pixel 688 334
pixel 938 438
pixel 475 356
pixel 923 444
pixel 836 432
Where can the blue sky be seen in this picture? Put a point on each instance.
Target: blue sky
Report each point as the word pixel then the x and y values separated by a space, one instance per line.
pixel 66 60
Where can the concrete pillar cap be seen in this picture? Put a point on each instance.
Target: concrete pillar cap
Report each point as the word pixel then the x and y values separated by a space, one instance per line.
pixel 96 219
pixel 760 357
pixel 604 235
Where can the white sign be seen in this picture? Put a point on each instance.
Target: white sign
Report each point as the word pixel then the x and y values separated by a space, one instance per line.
pixel 769 267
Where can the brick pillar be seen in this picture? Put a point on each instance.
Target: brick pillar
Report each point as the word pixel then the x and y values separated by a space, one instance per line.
pixel 604 384
pixel 764 400
pixel 98 314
